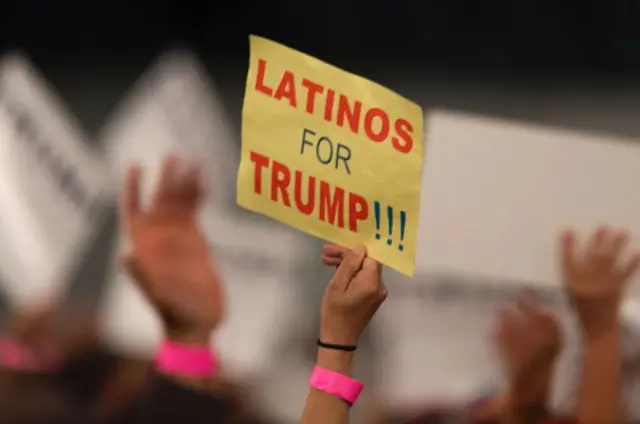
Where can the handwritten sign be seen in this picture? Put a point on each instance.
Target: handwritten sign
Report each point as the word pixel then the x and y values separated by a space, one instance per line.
pixel 331 153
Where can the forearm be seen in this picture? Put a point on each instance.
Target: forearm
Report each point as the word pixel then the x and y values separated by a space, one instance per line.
pixel 529 396
pixel 600 392
pixel 323 408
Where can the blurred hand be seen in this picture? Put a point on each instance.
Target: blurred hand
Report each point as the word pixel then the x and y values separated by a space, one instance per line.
pixel 34 325
pixel 352 298
pixel 527 335
pixel 596 277
pixel 170 258
pixel 80 334
pixel 34 332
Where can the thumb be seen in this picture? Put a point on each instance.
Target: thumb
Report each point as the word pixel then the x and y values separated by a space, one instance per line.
pixel 351 264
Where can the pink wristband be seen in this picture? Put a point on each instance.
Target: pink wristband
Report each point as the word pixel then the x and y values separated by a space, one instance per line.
pixel 17 357
pixel 336 384
pixel 186 361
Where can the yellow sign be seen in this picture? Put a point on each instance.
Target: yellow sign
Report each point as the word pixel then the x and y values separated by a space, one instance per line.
pixel 331 153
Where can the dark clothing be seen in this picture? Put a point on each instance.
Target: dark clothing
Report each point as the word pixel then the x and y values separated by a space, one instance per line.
pixel 40 399
pixel 83 379
pixel 167 402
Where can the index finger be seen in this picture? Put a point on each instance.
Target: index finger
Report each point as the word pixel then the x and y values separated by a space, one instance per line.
pixel 167 189
pixel 349 267
pixel 567 251
pixel 130 200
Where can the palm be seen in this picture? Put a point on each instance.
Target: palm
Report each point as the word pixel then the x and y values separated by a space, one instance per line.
pixel 527 334
pixel 170 254
pixel 598 272
pixel 170 258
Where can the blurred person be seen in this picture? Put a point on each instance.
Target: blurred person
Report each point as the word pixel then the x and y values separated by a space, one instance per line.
pixel 30 343
pixel 528 340
pixel 34 399
pixel 31 354
pixel 118 382
pixel 69 356
pixel 595 275
pixel 170 261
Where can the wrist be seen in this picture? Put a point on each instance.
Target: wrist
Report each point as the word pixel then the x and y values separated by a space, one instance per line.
pixel 338 339
pixel 606 331
pixel 187 363
pixel 336 360
pixel 190 338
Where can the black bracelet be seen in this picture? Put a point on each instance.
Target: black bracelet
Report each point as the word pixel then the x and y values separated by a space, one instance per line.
pixel 345 348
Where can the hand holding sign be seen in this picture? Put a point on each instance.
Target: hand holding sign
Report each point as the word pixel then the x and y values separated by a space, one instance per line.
pixel 331 153
pixel 170 256
pixel 352 298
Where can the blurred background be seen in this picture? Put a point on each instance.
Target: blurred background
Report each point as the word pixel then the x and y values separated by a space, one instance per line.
pixel 566 63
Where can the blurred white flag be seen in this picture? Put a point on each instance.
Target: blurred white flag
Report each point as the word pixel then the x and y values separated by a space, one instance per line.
pixel 174 108
pixel 258 259
pixel 53 188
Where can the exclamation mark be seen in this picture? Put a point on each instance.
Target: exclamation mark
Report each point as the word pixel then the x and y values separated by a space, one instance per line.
pixel 376 207
pixel 403 224
pixel 390 218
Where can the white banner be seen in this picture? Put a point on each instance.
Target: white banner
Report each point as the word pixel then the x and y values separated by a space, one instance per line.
pixel 175 110
pixel 53 188
pixel 496 195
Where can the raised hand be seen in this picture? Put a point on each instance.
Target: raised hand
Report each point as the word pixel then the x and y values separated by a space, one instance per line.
pixel 595 278
pixel 526 335
pixel 169 255
pixel 529 341
pixel 596 275
pixel 352 298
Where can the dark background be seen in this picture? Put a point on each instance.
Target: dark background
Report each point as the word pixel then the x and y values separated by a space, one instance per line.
pixel 592 36
pixel 96 49
pixel 99 47
pixel 571 63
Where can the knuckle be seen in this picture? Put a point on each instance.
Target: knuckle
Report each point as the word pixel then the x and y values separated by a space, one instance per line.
pixel 384 292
